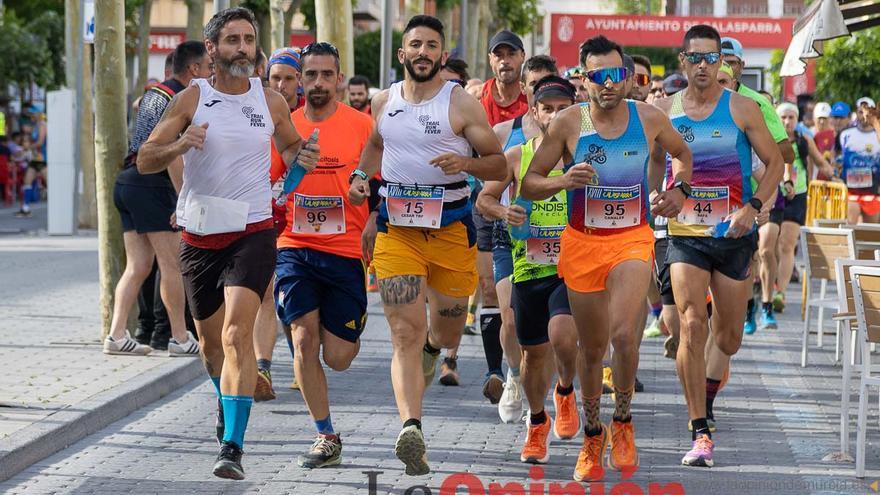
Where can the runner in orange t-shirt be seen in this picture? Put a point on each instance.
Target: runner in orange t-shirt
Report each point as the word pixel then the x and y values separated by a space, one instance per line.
pixel 320 277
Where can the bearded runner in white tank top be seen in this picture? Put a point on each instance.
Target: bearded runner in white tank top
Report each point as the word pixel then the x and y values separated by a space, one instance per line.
pixel 425 129
pixel 222 131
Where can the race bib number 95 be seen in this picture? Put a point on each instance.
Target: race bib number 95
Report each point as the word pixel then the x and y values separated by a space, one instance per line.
pixel 613 207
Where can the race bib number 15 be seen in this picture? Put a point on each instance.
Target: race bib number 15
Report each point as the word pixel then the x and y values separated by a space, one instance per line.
pixel 414 206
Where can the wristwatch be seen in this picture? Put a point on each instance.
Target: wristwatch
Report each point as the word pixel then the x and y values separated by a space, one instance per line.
pixel 357 173
pixel 756 203
pixel 684 186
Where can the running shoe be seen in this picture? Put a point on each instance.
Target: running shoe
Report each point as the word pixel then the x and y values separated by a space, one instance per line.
pixel 510 406
pixel 537 447
pixel 701 453
pixel 607 380
pixel 623 446
pixel 710 421
pixel 493 387
pixel 326 451
pixel 670 347
pixel 750 326
pixel 264 391
pixel 779 302
pixel 449 372
pixel 219 423
pixel 470 330
pixel 410 449
pixel 228 463
pixel 429 366
pixel 639 386
pixel 190 348
pixel 568 421
pixel 653 330
pixel 768 321
pixel 126 346
pixel 591 459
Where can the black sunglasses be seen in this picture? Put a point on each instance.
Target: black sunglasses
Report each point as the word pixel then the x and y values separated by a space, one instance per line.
pixel 322 46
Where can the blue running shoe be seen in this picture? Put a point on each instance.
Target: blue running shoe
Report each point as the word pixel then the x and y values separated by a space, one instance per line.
pixel 750 326
pixel 767 319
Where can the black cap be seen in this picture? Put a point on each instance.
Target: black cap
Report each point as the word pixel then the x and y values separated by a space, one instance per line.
pixel 551 86
pixel 674 83
pixel 505 37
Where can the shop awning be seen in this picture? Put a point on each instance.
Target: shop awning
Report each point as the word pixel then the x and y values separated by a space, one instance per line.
pixel 825 20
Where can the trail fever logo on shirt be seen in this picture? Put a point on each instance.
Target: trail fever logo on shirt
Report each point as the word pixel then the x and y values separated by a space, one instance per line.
pixel 431 126
pixel 255 118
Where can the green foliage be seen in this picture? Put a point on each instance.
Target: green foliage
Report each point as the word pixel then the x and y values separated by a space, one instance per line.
pixel 636 7
pixel 28 10
pixel 850 68
pixel 776 57
pixel 517 15
pixel 667 57
pixel 49 26
pixel 26 58
pixel 366 55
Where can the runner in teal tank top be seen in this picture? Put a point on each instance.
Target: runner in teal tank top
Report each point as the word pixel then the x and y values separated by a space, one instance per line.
pixel 721 128
pixel 544 325
pixel 607 246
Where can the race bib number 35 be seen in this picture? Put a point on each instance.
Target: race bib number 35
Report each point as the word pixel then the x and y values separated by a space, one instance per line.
pixel 320 215
pixel 543 245
pixel 706 206
pixel 613 207
pixel 414 206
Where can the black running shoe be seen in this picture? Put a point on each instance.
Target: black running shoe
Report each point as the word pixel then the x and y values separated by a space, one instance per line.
pixel 219 423
pixel 326 451
pixel 228 463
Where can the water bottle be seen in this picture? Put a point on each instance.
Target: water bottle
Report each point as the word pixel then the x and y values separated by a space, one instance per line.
pixel 719 230
pixel 294 174
pixel 522 232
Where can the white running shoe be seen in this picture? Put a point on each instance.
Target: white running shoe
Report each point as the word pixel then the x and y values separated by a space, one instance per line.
pixel 126 346
pixel 190 348
pixel 510 406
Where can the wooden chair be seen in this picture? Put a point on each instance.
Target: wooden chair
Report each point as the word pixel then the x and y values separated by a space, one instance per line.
pixel 846 334
pixel 866 297
pixel 832 223
pixel 821 247
pixel 867 237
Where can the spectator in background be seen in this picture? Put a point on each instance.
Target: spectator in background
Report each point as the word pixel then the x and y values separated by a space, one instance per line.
pixel 824 133
pixel 359 94
pixel 841 116
pixel 656 90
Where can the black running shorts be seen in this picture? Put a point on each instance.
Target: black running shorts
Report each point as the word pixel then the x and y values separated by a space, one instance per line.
pixel 535 303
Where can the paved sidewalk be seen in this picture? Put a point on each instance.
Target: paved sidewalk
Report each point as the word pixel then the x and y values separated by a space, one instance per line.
pixel 56 385
pixel 776 422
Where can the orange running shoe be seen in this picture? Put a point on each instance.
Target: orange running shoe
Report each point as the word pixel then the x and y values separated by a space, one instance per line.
pixel 591 459
pixel 568 421
pixel 623 446
pixel 537 447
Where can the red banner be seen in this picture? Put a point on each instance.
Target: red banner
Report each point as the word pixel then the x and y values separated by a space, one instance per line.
pixel 800 84
pixel 166 42
pixel 568 31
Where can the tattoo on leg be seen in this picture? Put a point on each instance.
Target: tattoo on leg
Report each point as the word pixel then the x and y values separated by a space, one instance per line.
pixel 623 401
pixel 400 290
pixel 453 312
pixel 592 425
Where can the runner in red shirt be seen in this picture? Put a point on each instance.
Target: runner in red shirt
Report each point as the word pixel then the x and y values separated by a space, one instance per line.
pixel 502 95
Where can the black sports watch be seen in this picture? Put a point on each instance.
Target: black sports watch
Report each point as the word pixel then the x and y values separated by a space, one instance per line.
pixel 684 186
pixel 756 203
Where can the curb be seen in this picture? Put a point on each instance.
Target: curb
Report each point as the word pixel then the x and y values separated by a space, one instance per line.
pixel 66 427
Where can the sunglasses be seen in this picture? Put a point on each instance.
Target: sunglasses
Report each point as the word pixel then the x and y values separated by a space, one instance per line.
pixel 711 58
pixel 656 90
pixel 574 72
pixel 641 79
pixel 599 76
pixel 321 47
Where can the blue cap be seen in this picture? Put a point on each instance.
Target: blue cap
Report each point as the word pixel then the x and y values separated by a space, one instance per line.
pixel 731 46
pixel 840 109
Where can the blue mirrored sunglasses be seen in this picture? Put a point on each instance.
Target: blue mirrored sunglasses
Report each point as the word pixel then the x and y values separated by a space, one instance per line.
pixel 599 76
pixel 711 58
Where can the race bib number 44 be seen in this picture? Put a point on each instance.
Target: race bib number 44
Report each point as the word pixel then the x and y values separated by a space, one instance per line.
pixel 414 206
pixel 318 215
pixel 613 207
pixel 706 206
pixel 543 246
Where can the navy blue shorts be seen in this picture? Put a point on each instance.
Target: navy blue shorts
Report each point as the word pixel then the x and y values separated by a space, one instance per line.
pixel 502 263
pixel 306 280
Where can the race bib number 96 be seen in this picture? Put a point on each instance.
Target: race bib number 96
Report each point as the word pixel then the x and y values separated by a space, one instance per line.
pixel 414 206
pixel 319 215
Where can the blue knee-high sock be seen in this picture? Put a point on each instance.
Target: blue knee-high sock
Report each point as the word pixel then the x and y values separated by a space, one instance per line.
pixel 216 381
pixel 236 411
pixel 325 426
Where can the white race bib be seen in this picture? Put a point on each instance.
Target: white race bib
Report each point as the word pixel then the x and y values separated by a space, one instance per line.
pixel 613 207
pixel 543 245
pixel 319 215
pixel 706 206
pixel 414 206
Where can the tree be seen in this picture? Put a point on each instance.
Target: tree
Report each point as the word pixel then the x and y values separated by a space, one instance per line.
pixel 26 58
pixel 195 18
pixel 850 67
pixel 366 55
pixel 143 43
pixel 516 15
pixel 637 6
pixel 334 24
pixel 110 145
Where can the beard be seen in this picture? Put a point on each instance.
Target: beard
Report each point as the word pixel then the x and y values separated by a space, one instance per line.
pixel 233 68
pixel 357 104
pixel 408 64
pixel 318 99
pixel 606 104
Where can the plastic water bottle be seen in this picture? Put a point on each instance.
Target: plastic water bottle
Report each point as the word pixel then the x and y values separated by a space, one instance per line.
pixel 522 232
pixel 719 230
pixel 294 174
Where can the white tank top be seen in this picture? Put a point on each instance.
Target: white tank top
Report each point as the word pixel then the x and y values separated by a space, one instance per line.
pixel 234 162
pixel 414 134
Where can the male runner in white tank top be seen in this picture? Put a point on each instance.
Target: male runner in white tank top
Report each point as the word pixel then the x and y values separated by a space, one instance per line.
pixel 425 248
pixel 228 254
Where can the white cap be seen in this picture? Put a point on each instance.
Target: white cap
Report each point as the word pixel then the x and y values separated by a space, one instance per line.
pixel 822 109
pixel 865 100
